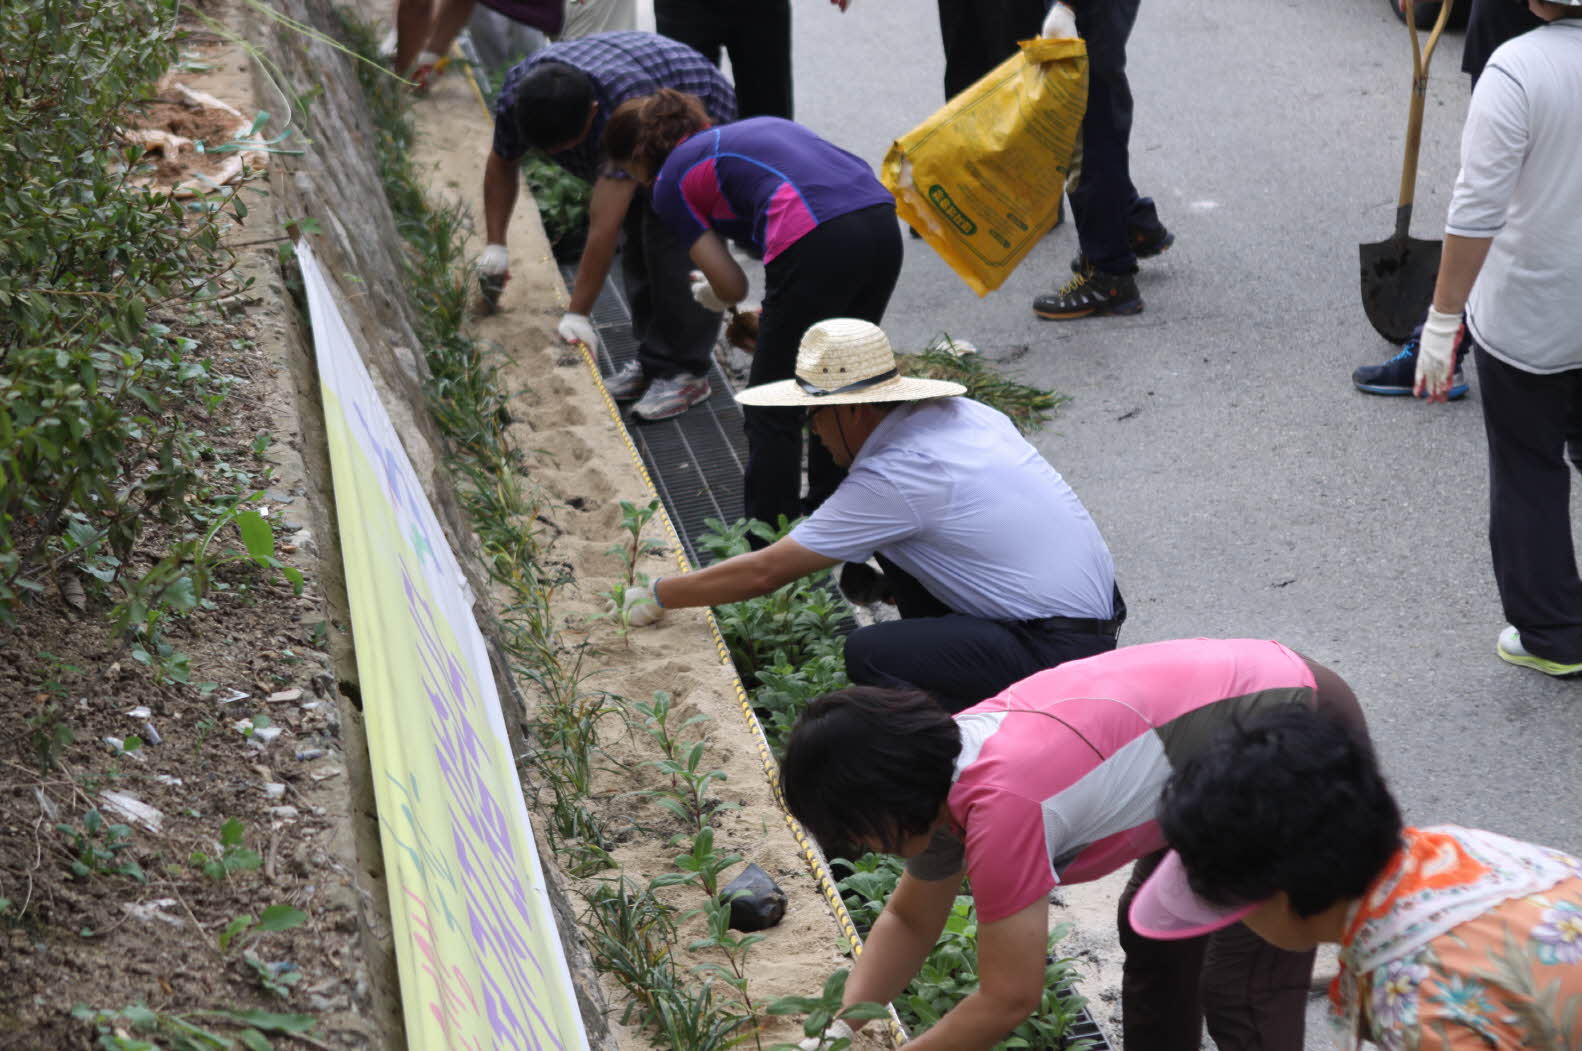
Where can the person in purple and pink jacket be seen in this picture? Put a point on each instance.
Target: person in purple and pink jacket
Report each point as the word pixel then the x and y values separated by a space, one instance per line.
pixel 818 216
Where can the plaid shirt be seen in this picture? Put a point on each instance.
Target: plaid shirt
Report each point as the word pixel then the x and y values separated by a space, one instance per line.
pixel 622 66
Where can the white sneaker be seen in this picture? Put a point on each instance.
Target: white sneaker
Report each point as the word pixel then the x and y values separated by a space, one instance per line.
pixel 1510 649
pixel 627 382
pixel 671 396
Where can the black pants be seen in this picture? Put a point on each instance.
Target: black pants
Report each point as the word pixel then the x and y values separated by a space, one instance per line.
pixel 980 34
pixel 756 34
pixel 1253 995
pixel 1530 420
pixel 1104 200
pixel 960 660
pixel 846 267
pixel 674 334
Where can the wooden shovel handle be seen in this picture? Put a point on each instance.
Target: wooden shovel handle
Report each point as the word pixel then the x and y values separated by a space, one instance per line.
pixel 1414 118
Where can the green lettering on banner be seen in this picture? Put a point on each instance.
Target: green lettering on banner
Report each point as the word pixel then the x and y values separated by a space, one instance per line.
pixel 941 200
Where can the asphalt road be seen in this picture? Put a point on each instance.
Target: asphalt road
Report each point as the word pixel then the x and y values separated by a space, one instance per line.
pixel 1244 487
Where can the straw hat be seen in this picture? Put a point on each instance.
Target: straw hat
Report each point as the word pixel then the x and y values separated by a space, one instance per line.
pixel 844 361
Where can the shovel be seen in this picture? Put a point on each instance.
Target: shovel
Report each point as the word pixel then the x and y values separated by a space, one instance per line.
pixel 1398 274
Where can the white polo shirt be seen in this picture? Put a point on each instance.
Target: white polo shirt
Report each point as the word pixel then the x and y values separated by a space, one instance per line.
pixel 1521 184
pixel 949 491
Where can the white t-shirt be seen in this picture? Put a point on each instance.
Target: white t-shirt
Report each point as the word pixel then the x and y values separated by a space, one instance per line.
pixel 950 492
pixel 1521 183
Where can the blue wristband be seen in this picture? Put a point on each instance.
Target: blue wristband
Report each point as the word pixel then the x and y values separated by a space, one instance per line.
pixel 653 590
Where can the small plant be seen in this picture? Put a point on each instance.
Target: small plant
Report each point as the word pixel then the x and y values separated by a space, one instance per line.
pixel 273 918
pixel 562 201
pixel 687 796
pixel 631 550
pixel 656 723
pixel 49 735
pixel 823 1010
pixel 233 855
pixel 733 946
pixel 276 978
pixel 190 1030
pixel 99 848
pixel 700 864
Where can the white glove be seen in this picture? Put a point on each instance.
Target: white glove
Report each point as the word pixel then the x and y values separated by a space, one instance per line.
pixel 495 261
pixel 1436 355
pixel 576 328
pixel 837 1029
pixel 1060 23
pixel 640 608
pixel 707 298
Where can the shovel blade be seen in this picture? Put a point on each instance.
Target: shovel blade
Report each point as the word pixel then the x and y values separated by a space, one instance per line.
pixel 1398 284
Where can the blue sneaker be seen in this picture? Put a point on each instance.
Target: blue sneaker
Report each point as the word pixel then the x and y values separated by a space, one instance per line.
pixel 1399 375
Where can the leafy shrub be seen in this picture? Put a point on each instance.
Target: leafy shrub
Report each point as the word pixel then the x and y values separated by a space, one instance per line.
pixel 98 281
pixel 950 973
pixel 1028 407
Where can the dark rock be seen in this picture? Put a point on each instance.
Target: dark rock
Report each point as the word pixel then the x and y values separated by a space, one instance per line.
pixel 757 902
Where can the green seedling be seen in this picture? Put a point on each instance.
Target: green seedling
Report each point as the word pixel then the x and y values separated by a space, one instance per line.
pixel 276 978
pixel 273 918
pixel 687 796
pixel 202 1030
pixel 656 723
pixel 634 519
pixel 233 855
pixel 700 864
pixel 99 848
pixel 823 1010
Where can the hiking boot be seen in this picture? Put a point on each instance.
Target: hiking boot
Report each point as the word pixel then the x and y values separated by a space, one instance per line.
pixel 1511 650
pixel 1089 294
pixel 626 382
pixel 1399 375
pixel 671 396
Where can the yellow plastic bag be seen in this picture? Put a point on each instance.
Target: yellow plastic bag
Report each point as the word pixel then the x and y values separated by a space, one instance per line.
pixel 981 179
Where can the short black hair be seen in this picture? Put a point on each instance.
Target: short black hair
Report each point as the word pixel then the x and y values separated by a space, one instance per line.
pixel 550 107
pixel 1288 799
pixel 869 764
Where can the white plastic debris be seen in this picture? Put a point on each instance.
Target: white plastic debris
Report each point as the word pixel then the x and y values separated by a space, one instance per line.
pixel 153 910
pixel 292 694
pixel 275 790
pixel 232 697
pixel 283 813
pixel 166 779
pixel 133 809
pixel 140 712
pixel 264 735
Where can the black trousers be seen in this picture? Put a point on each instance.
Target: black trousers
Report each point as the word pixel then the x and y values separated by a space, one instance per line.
pixel 1530 421
pixel 1104 200
pixel 846 267
pixel 1253 995
pixel 959 659
pixel 980 34
pixel 674 334
pixel 755 33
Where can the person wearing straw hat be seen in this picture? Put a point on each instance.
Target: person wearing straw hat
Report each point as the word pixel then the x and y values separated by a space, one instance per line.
pixel 997 568
pixel 1053 781
pixel 1449 937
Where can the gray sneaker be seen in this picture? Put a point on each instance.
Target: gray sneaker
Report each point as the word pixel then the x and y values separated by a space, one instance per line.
pixel 671 396
pixel 627 382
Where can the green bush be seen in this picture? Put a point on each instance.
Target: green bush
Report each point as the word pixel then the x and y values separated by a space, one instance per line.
pixel 98 281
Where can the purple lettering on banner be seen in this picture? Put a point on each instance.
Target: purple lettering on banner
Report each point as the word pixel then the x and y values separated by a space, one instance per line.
pixel 390 463
pixel 491 874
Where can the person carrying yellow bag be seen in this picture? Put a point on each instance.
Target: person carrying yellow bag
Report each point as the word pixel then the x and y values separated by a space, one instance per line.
pixel 981 179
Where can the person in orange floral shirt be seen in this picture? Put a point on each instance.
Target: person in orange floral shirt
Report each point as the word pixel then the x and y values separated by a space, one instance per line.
pixel 1449 937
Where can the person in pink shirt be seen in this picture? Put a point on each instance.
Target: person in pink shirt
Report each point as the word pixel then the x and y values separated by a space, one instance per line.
pixel 1054 780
